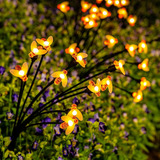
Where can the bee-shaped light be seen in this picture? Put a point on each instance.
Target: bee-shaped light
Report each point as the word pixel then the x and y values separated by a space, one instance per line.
pixel 142 47
pixel 132 20
pixel 20 72
pixel 106 82
pixel 122 13
pixel 144 83
pixel 95 88
pixel 61 76
pixel 110 41
pixel 131 49
pixel 138 96
pixel 119 65
pixel 144 65
pixel 63 6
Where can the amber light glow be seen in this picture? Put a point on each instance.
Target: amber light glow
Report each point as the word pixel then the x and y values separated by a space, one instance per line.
pixel 131 49
pixel 95 88
pixel 144 83
pixel 122 13
pixel 106 82
pixel 137 96
pixel 142 47
pixel 132 20
pixel 144 65
pixel 85 6
pixel 119 65
pixel 110 41
pixel 63 6
pixel 20 72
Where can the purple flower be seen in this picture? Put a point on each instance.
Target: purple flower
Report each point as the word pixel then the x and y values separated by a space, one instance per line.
pixel 143 130
pixel 76 101
pixel 20 157
pixel 115 150
pixel 91 120
pixel 41 104
pixel 47 119
pixel 43 77
pixel 9 115
pixel 59 158
pixel 39 131
pixel 14 97
pixel 46 93
pixel 58 118
pixel 35 145
pixel 2 70
pixel 30 111
pixel 39 88
pixel 65 151
pixel 74 142
pixel 57 129
pixel 102 127
pixel 96 117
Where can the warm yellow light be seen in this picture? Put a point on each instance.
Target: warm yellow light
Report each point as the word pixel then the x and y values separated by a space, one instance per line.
pixel 123 2
pixel 85 6
pixel 145 83
pixel 139 97
pixel 143 45
pixel 108 82
pixel 117 2
pixel 71 50
pixel 104 13
pixel 131 48
pixel 79 58
pixel 74 112
pixel 132 20
pixel 109 2
pixel 21 72
pixel 35 50
pixel 86 19
pixel 46 43
pixel 143 65
pixel 96 88
pixel 91 23
pixel 120 65
pixel 62 6
pixel 112 40
pixel 94 9
pixel 70 123
pixel 62 76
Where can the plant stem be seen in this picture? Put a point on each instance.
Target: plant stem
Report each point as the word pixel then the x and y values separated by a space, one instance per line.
pixel 35 98
pixel 41 124
pixel 31 86
pixel 18 104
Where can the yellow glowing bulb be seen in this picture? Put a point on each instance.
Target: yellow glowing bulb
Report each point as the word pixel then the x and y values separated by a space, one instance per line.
pixel 21 73
pixel 131 48
pixel 35 50
pixel 94 9
pixel 144 83
pixel 74 112
pixel 79 58
pixel 143 45
pixel 91 23
pixel 120 65
pixel 71 50
pixel 46 43
pixel 104 13
pixel 139 97
pixel 70 123
pixel 143 65
pixel 96 88
pixel 123 2
pixel 62 76
pixel 132 20
pixel 109 1
pixel 117 2
pixel 108 82
pixel 85 6
pixel 112 40
pixel 62 6
pixel 86 19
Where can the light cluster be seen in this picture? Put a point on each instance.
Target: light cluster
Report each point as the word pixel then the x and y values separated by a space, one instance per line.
pixel 71 119
pixel 100 85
